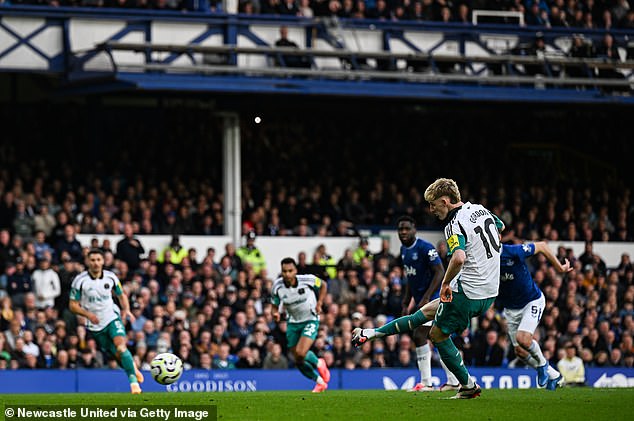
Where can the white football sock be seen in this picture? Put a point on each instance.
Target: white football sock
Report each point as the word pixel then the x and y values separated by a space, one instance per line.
pixel 423 359
pixel 552 373
pixel 320 380
pixel 530 361
pixel 372 333
pixel 451 378
pixel 536 352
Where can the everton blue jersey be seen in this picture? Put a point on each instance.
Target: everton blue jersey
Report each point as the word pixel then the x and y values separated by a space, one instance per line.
pixel 517 287
pixel 418 261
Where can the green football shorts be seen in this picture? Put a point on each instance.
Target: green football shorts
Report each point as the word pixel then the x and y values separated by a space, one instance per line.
pixel 455 316
pixel 105 336
pixel 296 330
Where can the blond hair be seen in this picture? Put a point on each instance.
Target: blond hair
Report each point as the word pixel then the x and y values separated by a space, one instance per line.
pixel 443 187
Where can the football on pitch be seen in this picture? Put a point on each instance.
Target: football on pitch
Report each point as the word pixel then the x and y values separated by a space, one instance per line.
pixel 166 368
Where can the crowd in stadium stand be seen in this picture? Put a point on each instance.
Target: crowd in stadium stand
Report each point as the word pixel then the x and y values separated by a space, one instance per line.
pixel 588 14
pixel 214 310
pixel 34 207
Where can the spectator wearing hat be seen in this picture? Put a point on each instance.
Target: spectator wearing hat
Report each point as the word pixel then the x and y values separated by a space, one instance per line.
pixel 357 318
pixel 188 304
pixel 250 254
pixel 230 298
pixel 140 319
pixel 46 284
pixel 589 277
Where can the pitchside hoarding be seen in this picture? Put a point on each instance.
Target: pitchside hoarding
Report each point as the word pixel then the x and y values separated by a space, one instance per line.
pixel 97 380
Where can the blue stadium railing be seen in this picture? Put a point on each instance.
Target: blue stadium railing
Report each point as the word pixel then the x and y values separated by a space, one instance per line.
pixel 454 54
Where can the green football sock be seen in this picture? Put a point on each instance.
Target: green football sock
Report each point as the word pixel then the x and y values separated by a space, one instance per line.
pixel 402 324
pixel 311 359
pixel 450 355
pixel 308 370
pixel 127 362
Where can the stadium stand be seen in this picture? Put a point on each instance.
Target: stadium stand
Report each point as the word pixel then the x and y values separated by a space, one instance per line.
pixel 103 166
pixel 571 14
pixel 193 306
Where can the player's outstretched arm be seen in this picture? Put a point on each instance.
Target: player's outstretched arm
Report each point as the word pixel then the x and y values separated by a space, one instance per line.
pixel 542 247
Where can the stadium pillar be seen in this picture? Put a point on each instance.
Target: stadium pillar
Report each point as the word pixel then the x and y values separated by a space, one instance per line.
pixel 232 180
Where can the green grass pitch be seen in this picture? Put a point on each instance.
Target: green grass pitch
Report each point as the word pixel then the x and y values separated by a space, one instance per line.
pixel 578 404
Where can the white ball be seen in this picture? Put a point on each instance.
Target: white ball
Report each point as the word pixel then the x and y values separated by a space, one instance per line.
pixel 257 120
pixel 166 368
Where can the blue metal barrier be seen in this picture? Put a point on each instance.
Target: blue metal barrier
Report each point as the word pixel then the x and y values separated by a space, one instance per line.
pixel 417 60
